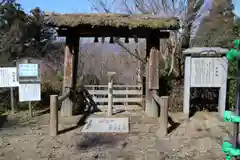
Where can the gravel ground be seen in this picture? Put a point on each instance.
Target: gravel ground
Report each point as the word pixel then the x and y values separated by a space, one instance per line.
pixel 22 138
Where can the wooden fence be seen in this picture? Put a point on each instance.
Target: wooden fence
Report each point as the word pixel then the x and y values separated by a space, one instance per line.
pixel 125 97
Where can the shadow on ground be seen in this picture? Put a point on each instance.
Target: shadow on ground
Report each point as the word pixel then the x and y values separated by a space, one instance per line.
pixel 86 108
pixel 8 121
pixel 95 140
pixel 3 119
pixel 174 125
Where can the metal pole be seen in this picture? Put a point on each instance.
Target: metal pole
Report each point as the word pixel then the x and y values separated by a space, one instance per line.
pixel 12 100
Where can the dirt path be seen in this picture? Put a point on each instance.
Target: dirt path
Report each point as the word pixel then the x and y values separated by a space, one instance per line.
pixel 197 139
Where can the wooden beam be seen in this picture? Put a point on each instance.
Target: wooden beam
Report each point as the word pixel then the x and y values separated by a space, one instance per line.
pixel 111 32
pixel 70 73
pixel 67 78
pixel 75 70
pixel 163 102
pixel 154 59
pixel 151 106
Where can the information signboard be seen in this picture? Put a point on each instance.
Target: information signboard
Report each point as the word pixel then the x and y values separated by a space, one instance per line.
pixel 28 70
pixel 29 92
pixel 205 67
pixel 8 77
pixel 207 72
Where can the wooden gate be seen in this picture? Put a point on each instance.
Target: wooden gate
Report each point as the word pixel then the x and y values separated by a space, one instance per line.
pixel 125 97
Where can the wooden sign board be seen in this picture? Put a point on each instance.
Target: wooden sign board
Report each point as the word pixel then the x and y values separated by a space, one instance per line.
pixel 207 72
pixel 205 67
pixel 8 77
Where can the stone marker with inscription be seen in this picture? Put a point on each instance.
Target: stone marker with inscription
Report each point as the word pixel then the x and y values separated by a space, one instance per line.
pixel 106 125
pixel 205 67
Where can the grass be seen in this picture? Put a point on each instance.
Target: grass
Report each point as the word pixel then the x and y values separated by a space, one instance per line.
pixel 111 20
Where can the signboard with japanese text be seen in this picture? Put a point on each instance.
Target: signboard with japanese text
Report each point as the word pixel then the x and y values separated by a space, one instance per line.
pixel 207 72
pixel 28 70
pixel 29 92
pixel 28 73
pixel 8 77
pixel 205 67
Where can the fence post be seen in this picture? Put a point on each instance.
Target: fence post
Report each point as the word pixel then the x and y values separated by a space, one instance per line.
pixel 30 109
pixel 53 115
pixel 162 131
pixel 126 99
pixel 12 100
pixel 110 93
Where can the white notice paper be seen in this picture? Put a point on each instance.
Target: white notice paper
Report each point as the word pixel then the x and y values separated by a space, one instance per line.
pixel 8 77
pixel 29 92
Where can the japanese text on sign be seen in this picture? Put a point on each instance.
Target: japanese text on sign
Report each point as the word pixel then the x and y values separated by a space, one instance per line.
pixel 28 70
pixel 8 77
pixel 207 72
pixel 29 92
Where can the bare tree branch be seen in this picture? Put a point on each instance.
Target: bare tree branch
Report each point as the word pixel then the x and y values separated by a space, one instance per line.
pixel 127 8
pixel 186 10
pixel 120 43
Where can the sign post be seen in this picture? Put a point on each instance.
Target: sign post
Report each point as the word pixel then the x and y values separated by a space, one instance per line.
pixel 12 101
pixel 8 78
pixel 205 67
pixel 29 83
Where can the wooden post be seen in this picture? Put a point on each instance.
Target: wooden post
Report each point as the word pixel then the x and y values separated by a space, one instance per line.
pixel 110 93
pixel 187 81
pixel 30 109
pixel 126 99
pixel 53 115
pixel 164 116
pixel 12 101
pixel 151 107
pixel 70 73
pixel 223 90
pixel 163 101
pixel 140 67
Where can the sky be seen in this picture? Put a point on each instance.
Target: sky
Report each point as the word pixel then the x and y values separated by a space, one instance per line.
pixel 237 6
pixel 71 6
pixel 62 6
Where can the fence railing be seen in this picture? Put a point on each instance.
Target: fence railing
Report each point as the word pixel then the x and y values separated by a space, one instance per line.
pixel 124 97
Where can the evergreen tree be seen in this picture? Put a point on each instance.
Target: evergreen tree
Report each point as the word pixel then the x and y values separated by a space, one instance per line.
pixel 217 28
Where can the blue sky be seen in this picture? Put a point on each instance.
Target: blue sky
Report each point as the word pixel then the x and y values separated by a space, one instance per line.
pixel 237 6
pixel 63 6
pixel 70 6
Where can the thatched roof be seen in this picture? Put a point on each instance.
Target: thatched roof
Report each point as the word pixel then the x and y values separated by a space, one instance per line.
pixel 111 20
